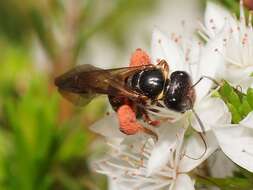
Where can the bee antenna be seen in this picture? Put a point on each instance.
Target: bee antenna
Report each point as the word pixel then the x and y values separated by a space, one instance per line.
pixel 199 120
pixel 203 139
pixel 196 115
pixel 201 134
pixel 206 77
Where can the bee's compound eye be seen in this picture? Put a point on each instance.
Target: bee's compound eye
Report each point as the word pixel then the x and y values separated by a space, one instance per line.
pixel 177 103
pixel 151 82
pixel 173 102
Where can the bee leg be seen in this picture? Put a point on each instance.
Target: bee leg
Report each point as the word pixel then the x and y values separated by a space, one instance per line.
pixel 164 65
pixel 146 118
pixel 156 123
pixel 129 124
pixel 150 132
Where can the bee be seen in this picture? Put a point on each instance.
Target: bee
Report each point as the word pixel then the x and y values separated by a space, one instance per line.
pixel 137 86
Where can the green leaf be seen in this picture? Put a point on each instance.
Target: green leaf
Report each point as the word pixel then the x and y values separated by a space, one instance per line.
pixel 225 90
pixel 250 97
pixel 234 99
pixel 236 117
pixel 239 103
pixel 244 108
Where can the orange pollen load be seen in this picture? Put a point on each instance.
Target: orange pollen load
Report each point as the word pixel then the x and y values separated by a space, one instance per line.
pixel 139 57
pixel 127 120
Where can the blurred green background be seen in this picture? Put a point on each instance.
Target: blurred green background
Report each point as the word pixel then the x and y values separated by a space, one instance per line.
pixel 44 140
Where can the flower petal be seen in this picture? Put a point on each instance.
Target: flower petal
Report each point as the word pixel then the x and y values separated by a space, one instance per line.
pixel 183 182
pixel 221 166
pixel 160 156
pixel 196 151
pixel 248 121
pixel 108 126
pixel 215 17
pixel 211 61
pixel 237 75
pixel 237 143
pixel 211 111
pixel 163 149
pixel 162 47
pixel 113 185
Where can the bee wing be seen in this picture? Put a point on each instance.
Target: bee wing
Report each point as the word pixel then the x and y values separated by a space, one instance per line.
pixel 77 99
pixel 82 83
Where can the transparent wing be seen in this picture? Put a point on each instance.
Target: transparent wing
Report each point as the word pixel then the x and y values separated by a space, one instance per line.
pixel 84 82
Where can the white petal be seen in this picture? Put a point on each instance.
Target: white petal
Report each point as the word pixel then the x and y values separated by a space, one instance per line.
pixel 211 111
pixel 237 75
pixel 155 186
pixel 136 142
pixel 237 143
pixel 215 17
pixel 162 47
pixel 195 149
pixel 108 126
pixel 193 52
pixel 221 166
pixel 248 121
pixel 211 61
pixel 113 185
pixel 183 182
pixel 160 156
pixel 163 149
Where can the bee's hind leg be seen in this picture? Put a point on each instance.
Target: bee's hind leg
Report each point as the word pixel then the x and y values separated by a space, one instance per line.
pixel 129 125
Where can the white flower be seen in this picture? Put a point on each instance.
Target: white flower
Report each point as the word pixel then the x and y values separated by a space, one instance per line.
pixel 189 56
pixel 236 141
pixel 234 43
pixel 141 164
